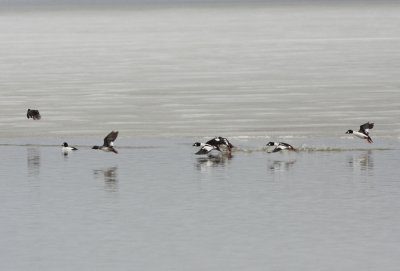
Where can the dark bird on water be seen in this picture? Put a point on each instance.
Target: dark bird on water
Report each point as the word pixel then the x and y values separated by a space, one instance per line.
pixel 34 114
pixel 108 145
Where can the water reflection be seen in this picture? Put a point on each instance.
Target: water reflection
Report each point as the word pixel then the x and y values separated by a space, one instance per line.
pixel 203 163
pixel 363 161
pixel 33 161
pixel 110 176
pixel 280 165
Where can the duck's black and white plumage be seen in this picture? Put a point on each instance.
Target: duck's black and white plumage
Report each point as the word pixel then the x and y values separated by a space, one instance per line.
pixel 216 142
pixel 206 148
pixel 66 149
pixel 108 145
pixel 34 114
pixel 279 146
pixel 220 141
pixel 363 133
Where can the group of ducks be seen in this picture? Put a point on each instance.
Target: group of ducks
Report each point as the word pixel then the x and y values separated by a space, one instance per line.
pixel 108 144
pixel 220 144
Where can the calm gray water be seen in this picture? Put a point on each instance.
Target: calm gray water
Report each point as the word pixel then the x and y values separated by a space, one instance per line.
pixel 167 77
pixel 157 206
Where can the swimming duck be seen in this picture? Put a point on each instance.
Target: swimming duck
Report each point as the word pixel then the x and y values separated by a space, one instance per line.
pixel 66 149
pixel 108 145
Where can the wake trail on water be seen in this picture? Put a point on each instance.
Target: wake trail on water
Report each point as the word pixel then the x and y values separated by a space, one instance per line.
pixel 236 149
pixel 307 149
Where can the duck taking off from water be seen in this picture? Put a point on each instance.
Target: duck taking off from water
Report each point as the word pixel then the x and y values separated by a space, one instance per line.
pixel 363 133
pixel 206 148
pixel 280 146
pixel 108 145
pixel 216 142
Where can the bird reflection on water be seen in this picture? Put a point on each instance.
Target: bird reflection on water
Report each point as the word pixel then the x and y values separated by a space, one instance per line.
pixel 203 163
pixel 281 165
pixel 110 176
pixel 363 161
pixel 33 161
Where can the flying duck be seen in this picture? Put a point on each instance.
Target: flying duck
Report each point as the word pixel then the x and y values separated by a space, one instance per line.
pixel 108 145
pixel 34 114
pixel 66 149
pixel 206 148
pixel 279 146
pixel 363 133
pixel 217 142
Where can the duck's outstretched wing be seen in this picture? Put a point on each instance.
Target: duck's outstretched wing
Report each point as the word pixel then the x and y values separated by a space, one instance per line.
pixel 365 128
pixel 287 146
pixel 215 141
pixel 279 148
pixel 227 143
pixel 110 138
pixel 206 149
pixel 218 141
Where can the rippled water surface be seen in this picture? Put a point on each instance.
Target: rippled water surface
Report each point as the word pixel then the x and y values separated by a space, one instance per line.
pixel 241 70
pixel 167 77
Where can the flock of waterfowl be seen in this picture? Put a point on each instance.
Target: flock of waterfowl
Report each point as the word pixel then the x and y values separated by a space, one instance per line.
pixel 220 144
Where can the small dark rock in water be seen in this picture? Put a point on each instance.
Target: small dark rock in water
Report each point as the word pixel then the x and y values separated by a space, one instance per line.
pixel 34 114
